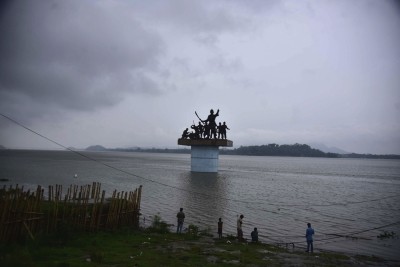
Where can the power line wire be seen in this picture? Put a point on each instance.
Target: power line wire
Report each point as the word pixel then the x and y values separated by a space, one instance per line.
pixel 120 170
pixel 336 236
pixel 174 187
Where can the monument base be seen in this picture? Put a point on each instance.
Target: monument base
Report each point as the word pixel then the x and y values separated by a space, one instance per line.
pixel 204 153
pixel 204 158
pixel 205 142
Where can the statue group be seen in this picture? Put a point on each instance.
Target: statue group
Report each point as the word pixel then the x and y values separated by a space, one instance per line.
pixel 206 129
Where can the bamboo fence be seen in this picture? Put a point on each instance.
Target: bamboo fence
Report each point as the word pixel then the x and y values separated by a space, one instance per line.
pixel 26 213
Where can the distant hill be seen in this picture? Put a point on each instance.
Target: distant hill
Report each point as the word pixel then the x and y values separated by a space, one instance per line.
pixel 2 147
pixel 296 150
pixel 96 148
pixel 327 149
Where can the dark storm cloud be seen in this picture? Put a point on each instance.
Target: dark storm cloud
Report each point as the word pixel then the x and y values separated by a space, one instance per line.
pixel 73 55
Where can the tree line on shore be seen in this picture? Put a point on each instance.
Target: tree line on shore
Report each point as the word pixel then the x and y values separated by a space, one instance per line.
pixel 295 150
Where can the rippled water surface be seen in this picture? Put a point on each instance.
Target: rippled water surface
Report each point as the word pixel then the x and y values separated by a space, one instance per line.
pixel 349 202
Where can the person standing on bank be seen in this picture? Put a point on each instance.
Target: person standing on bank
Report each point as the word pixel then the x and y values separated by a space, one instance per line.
pixel 181 218
pixel 220 223
pixel 254 235
pixel 309 237
pixel 239 228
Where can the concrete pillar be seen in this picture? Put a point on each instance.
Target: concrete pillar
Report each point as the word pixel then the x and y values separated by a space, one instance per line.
pixel 204 158
pixel 205 153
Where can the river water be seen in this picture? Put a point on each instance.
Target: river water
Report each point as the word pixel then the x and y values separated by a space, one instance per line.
pixel 349 202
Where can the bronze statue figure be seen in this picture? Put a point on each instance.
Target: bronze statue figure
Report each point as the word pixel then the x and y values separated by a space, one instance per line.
pixel 185 133
pixel 224 127
pixel 206 129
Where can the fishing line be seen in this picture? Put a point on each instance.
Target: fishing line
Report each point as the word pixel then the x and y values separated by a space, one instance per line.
pixel 339 235
pixel 335 204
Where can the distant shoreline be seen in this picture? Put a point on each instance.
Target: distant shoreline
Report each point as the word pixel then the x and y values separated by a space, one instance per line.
pixel 296 150
pixel 273 150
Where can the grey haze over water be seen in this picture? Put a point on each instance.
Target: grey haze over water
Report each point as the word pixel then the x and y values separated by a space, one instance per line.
pixel 358 198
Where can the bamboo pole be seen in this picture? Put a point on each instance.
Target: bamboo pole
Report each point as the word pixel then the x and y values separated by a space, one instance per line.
pixel 82 206
pixel 100 213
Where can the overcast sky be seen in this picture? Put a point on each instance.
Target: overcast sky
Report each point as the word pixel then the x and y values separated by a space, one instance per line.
pixel 132 73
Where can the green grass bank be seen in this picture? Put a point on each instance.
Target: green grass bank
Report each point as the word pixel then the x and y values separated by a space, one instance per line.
pixel 156 246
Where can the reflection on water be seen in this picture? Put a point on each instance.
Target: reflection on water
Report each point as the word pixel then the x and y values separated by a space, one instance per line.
pixel 278 195
pixel 205 194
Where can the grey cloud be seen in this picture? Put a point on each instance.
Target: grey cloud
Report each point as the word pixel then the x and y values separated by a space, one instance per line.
pixel 257 6
pixel 280 71
pixel 207 39
pixel 75 55
pixel 221 63
pixel 205 18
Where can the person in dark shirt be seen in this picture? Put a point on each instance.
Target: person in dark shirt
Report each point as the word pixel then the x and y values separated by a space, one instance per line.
pixel 239 228
pixel 220 223
pixel 254 235
pixel 181 218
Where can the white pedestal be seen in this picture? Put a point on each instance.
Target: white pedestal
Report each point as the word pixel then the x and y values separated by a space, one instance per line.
pixel 204 158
